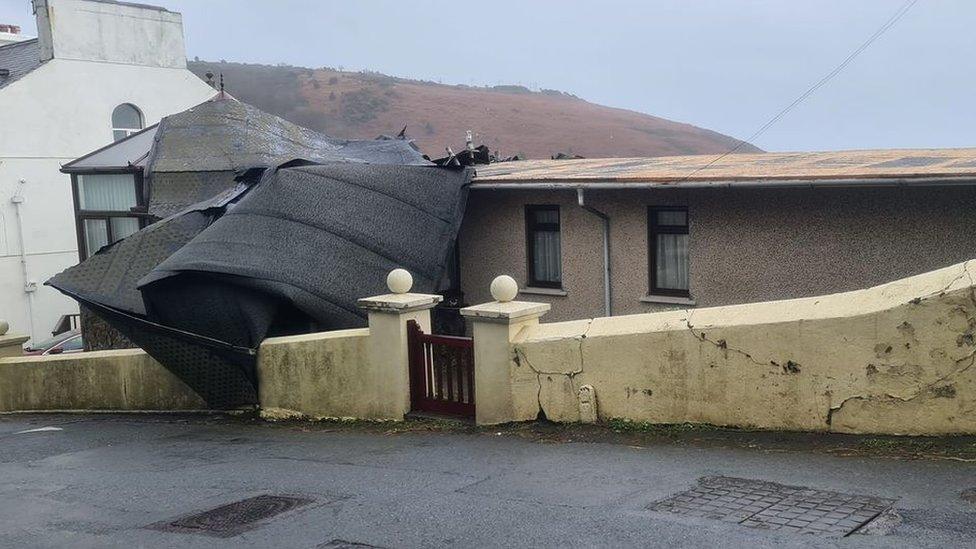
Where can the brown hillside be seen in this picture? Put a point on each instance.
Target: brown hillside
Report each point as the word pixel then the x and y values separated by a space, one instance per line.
pixel 509 119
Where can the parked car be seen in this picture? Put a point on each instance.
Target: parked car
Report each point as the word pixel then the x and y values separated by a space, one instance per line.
pixel 67 342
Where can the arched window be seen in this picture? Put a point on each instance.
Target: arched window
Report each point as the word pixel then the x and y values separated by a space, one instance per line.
pixel 126 120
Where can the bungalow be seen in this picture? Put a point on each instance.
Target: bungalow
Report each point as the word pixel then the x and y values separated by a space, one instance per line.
pixel 601 237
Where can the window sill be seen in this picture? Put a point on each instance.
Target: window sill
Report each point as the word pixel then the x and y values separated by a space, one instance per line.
pixel 559 292
pixel 669 300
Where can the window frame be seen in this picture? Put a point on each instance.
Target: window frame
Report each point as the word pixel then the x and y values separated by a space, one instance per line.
pixel 140 211
pixel 653 229
pixel 531 226
pixel 128 131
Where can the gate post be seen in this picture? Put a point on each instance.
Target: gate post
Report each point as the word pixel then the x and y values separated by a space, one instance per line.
pixel 10 344
pixel 389 356
pixel 494 325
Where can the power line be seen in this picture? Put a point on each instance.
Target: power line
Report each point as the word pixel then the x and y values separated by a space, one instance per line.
pixel 819 84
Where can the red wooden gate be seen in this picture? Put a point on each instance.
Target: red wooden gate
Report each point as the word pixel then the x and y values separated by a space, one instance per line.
pixel 441 373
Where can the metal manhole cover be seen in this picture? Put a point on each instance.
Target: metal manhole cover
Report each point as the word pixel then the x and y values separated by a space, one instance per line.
pixel 773 506
pixel 233 518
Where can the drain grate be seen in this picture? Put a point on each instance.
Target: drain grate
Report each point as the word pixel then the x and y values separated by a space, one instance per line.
pixel 772 506
pixel 234 518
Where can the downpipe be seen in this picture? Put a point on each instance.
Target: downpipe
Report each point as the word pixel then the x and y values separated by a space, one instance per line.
pixel 581 199
pixel 29 286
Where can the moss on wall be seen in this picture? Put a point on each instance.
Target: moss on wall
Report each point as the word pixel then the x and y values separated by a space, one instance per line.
pixel 896 359
pixel 103 380
pixel 323 375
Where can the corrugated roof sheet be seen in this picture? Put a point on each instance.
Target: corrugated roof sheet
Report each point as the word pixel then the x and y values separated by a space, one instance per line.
pixel 836 165
pixel 19 58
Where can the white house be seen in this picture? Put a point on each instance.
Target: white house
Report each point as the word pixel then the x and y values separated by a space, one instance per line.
pixel 98 71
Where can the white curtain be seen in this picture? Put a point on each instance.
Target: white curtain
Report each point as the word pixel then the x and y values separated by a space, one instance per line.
pixel 96 235
pixel 546 258
pixel 96 231
pixel 123 227
pixel 672 261
pixel 107 192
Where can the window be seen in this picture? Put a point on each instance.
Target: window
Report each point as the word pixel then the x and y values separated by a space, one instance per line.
pixel 108 209
pixel 545 259
pixel 667 238
pixel 126 120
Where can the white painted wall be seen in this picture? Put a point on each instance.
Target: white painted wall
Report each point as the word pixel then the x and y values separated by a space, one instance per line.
pixel 63 110
pixel 114 33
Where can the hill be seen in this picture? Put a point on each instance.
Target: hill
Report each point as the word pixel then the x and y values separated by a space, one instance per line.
pixel 509 119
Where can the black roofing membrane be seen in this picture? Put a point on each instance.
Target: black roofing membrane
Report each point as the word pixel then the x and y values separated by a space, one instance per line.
pixel 287 248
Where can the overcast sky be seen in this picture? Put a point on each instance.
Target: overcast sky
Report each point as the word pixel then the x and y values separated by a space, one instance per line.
pixel 727 65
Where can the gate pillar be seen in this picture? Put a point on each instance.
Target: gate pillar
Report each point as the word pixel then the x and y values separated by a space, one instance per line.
pixel 494 326
pixel 388 353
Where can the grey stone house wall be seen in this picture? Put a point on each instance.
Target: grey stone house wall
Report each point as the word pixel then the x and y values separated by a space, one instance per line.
pixel 746 245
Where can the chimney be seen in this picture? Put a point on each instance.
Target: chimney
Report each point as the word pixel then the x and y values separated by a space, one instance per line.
pixel 10 34
pixel 110 32
pixel 45 39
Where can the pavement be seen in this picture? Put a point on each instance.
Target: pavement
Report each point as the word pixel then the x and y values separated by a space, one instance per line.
pixel 123 480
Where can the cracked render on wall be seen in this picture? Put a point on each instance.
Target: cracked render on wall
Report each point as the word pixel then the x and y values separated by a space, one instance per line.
pixel 896 358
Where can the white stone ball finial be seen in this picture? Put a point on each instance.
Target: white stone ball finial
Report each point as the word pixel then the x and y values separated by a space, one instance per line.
pixel 4 327
pixel 399 281
pixel 504 288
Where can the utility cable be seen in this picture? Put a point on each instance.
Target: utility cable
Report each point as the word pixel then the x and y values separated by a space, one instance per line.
pixel 819 84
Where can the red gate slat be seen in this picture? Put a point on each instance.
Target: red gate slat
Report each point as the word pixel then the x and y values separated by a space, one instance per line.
pixel 441 372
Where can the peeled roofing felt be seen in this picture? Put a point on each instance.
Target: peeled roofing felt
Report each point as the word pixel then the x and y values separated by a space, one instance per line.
pixel 286 249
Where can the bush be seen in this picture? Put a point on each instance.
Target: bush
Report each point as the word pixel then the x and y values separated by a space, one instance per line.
pixel 361 106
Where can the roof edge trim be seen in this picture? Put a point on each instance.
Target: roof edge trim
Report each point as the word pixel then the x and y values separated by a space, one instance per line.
pixel 728 184
pixel 67 168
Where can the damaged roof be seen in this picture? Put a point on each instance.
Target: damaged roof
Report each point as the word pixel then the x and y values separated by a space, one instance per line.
pixel 226 134
pixel 18 59
pixel 761 168
pixel 267 229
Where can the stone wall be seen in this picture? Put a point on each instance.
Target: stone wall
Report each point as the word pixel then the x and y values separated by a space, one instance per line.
pixel 103 380
pixel 896 358
pixel 99 335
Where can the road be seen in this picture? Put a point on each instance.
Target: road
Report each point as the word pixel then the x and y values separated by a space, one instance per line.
pixel 123 481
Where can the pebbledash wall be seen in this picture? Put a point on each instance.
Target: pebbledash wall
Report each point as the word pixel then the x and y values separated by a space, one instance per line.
pixel 745 245
pixel 896 358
